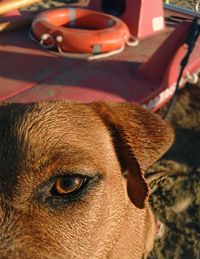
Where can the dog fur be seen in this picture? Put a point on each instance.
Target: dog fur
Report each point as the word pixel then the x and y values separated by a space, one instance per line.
pixel 112 144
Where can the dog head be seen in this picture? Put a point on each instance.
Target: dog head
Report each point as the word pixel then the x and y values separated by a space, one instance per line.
pixel 62 193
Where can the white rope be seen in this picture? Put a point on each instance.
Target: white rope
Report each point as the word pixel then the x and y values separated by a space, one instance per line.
pixel 131 42
pixel 107 54
pixel 192 78
pixel 60 53
pixel 70 54
pixel 88 56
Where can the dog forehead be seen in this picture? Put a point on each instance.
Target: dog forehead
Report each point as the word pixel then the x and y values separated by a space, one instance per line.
pixel 33 135
pixel 47 124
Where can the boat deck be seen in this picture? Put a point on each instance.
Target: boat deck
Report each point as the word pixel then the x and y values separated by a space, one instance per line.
pixel 29 73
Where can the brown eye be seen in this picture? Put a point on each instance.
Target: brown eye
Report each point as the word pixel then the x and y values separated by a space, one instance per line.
pixel 68 184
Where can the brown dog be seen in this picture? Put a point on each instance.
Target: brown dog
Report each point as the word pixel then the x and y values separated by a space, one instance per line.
pixel 62 193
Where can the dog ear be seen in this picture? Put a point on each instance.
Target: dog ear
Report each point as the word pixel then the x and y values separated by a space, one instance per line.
pixel 140 138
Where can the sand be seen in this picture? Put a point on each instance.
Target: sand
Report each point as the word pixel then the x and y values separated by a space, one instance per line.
pixel 175 198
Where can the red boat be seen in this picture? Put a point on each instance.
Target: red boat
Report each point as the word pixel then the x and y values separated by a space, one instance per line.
pixel 146 73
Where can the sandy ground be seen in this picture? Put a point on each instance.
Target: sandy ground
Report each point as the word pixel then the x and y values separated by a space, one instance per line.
pixel 175 198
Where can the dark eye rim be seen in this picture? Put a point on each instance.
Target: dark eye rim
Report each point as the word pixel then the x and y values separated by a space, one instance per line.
pixel 85 180
pixel 43 195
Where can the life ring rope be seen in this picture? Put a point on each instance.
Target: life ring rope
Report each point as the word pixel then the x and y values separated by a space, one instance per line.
pixel 93 56
pixel 58 53
pixel 132 42
pixel 107 37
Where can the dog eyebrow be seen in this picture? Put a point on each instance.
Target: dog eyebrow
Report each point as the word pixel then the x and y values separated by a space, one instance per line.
pixel 73 160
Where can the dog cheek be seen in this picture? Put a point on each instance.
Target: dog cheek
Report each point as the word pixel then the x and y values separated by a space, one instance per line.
pixel 99 217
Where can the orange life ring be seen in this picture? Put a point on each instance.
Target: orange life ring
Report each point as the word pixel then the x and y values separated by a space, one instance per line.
pixel 80 30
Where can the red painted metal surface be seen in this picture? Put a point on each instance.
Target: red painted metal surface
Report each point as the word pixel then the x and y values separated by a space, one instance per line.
pixel 144 18
pixel 145 74
pixel 23 65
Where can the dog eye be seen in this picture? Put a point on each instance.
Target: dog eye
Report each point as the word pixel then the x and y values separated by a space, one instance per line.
pixel 66 185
